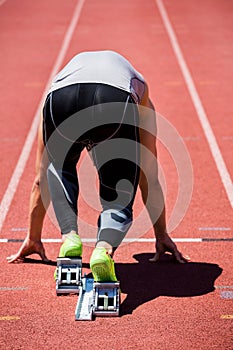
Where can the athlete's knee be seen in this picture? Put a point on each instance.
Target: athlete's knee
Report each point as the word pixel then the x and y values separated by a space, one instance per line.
pixel 116 219
pixel 114 225
pixel 36 182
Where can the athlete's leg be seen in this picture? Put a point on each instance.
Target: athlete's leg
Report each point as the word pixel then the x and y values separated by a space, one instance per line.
pixel 117 162
pixel 63 155
pixel 63 187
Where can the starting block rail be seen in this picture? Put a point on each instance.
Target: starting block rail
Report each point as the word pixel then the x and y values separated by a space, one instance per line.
pixel 84 308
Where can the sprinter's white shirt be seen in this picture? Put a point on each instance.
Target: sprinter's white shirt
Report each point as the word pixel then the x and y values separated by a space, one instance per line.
pixel 105 67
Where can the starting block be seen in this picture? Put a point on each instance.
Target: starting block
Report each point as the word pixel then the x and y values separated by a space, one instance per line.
pixel 68 275
pixel 106 297
pixel 97 299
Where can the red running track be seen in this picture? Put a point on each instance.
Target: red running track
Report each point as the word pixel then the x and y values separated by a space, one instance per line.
pixel 165 305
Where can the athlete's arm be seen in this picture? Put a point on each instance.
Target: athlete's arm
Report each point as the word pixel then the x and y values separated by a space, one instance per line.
pixel 37 208
pixel 150 187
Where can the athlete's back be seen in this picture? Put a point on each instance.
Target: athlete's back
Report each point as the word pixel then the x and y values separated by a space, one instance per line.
pixel 106 67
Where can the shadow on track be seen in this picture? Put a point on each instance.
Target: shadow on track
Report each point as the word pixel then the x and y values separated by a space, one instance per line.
pixel 143 281
pixel 50 262
pixel 39 262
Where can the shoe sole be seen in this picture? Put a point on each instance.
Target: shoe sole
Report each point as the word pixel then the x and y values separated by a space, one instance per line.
pixel 71 253
pixel 101 271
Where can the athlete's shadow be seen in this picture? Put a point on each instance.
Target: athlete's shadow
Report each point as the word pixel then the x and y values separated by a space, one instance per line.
pixel 143 281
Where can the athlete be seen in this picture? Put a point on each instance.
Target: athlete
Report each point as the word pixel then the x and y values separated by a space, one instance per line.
pixel 98 101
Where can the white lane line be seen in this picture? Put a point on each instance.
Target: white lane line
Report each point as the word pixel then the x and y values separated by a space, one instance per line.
pixel 214 229
pixel 19 229
pixel 93 240
pixel 126 240
pixel 18 171
pixel 209 134
pixel 147 240
pixel 226 294
pixel 7 289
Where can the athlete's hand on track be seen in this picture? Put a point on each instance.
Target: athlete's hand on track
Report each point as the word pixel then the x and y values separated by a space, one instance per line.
pixel 165 244
pixel 28 247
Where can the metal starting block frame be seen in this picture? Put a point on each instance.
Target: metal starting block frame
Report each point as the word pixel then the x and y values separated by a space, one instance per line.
pixel 69 275
pixel 106 297
pixel 97 299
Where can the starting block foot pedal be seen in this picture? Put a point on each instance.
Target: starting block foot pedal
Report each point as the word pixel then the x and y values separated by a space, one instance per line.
pixel 68 275
pixel 106 298
pixel 97 299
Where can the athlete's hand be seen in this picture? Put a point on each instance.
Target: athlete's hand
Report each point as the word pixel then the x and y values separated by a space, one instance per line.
pixel 28 247
pixel 165 244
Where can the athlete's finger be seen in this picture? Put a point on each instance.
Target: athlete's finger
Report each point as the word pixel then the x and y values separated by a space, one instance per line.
pixel 43 256
pixel 15 258
pixel 179 257
pixel 155 257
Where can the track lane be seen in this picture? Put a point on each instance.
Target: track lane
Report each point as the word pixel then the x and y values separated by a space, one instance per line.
pixel 166 321
pixel 12 186
pixel 24 69
pixel 174 313
pixel 161 80
pixel 202 116
pixel 209 54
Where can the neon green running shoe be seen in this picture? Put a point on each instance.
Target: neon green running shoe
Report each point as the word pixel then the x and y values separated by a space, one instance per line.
pixel 102 266
pixel 72 246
